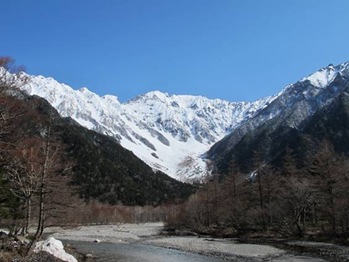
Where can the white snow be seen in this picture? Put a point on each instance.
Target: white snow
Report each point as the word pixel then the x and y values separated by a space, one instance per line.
pixel 55 248
pixel 322 77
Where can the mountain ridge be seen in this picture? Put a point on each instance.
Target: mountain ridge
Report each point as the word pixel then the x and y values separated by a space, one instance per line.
pixel 169 132
pixel 180 135
pixel 294 105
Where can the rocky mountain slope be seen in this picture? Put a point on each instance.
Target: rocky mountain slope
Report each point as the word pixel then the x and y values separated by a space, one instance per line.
pixel 286 120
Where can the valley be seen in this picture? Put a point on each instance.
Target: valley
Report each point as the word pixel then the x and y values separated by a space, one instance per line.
pixel 271 169
pixel 179 130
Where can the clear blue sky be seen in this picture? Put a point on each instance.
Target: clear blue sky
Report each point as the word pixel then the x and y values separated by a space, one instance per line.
pixel 237 50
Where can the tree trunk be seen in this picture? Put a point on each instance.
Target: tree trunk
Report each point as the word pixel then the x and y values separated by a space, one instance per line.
pixel 207 207
pixel 42 192
pixel 314 214
pixel 260 190
pixel 333 213
pixel 41 219
pixel 304 212
pixel 28 216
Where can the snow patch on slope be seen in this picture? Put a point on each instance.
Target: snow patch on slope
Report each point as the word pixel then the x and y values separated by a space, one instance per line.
pixel 322 77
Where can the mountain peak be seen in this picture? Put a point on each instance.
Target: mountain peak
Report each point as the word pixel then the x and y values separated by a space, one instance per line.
pixel 84 90
pixel 158 94
pixel 152 95
pixel 322 77
pixel 111 99
pixel 326 75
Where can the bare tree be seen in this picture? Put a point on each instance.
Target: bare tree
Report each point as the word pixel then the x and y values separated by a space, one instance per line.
pixel 299 197
pixel 10 110
pixel 235 191
pixel 23 176
pixel 11 75
pixel 326 166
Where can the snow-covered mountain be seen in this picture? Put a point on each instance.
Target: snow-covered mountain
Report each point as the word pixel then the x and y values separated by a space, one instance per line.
pixel 169 133
pixel 172 133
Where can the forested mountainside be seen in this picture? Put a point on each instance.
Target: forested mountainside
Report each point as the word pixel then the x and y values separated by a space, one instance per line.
pixel 99 168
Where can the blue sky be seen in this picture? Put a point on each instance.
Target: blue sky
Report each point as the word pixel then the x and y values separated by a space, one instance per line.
pixel 237 50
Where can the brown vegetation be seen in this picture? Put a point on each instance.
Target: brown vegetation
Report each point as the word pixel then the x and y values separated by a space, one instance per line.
pixel 288 201
pixel 33 170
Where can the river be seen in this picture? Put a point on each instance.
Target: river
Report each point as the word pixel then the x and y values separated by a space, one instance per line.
pixel 131 252
pixel 134 252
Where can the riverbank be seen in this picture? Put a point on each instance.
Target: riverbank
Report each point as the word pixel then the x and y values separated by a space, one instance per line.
pixel 148 234
pixel 107 233
pixel 221 248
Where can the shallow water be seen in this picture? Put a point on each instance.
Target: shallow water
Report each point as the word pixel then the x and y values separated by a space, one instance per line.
pixel 130 252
